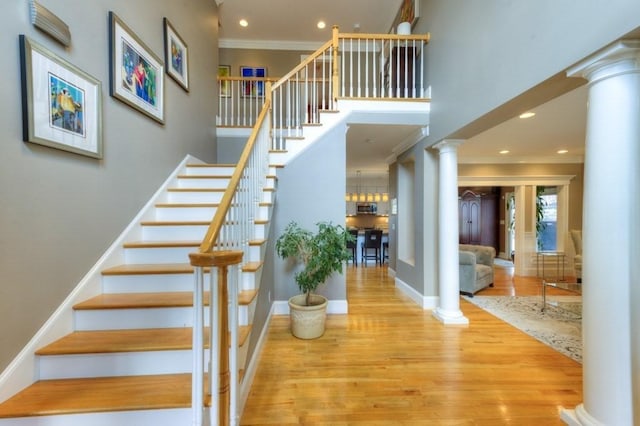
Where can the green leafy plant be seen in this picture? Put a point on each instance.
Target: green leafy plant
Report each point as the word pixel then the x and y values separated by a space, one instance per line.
pixel 321 254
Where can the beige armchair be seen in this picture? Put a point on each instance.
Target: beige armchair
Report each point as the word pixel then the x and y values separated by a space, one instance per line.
pixel 576 238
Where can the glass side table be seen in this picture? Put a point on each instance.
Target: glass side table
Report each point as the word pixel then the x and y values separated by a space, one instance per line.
pixel 572 287
pixel 559 256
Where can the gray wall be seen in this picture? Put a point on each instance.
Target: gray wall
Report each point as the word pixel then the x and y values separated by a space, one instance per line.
pixel 311 189
pixel 487 58
pixel 60 211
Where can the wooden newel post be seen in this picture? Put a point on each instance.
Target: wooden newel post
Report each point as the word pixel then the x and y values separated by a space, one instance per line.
pixel 221 260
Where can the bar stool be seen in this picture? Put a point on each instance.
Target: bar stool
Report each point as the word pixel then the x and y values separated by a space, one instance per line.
pixel 372 241
pixel 385 251
pixel 353 246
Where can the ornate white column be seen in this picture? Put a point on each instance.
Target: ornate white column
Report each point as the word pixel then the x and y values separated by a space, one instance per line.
pixel 448 310
pixel 610 251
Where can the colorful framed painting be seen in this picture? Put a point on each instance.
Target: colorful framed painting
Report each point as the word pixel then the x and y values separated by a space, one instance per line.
pixel 224 85
pixel 61 104
pixel 255 86
pixel 136 75
pixel 176 56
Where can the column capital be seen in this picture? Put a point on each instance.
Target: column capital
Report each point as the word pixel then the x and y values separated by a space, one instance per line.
pixel 621 57
pixel 448 145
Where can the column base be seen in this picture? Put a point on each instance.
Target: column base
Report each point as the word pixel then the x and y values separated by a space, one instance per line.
pixel 450 317
pixel 578 417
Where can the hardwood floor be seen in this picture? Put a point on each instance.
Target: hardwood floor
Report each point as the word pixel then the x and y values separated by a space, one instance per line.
pixel 390 362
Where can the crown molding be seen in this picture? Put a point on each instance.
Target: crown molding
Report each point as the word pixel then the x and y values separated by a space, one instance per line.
pixel 227 43
pixel 559 159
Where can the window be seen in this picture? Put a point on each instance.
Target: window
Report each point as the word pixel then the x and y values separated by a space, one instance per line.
pixel 547 225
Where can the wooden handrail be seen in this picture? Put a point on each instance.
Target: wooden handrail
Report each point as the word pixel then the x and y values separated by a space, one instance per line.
pixel 302 64
pixel 209 240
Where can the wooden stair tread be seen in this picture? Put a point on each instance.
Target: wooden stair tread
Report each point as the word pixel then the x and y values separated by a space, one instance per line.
pixel 112 341
pixel 152 300
pixel 161 244
pixel 102 394
pixel 204 176
pixel 257 242
pixel 211 165
pixel 187 205
pixel 196 189
pixel 137 340
pixel 149 268
pixel 251 266
pixel 175 223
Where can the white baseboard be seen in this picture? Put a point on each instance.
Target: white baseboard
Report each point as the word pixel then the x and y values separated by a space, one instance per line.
pixel 425 302
pixel 22 371
pixel 281 307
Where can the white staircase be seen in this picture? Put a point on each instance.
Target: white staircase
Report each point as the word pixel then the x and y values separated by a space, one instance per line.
pixel 136 333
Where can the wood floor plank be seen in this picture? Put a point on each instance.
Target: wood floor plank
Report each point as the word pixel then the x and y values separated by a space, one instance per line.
pixel 389 362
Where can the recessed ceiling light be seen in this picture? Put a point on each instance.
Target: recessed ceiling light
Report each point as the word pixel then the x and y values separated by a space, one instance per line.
pixel 563 151
pixel 244 23
pixel 504 151
pixel 321 25
pixel 527 114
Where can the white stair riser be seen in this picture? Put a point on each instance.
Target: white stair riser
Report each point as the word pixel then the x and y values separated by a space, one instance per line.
pixel 264 212
pixel 150 283
pixel 185 213
pixel 268 197
pixel 174 233
pixel 259 232
pixel 210 171
pixel 256 253
pixel 166 417
pixel 156 255
pixel 208 183
pixel 271 182
pixel 194 197
pixel 116 364
pixel 246 313
pixel 140 318
pixel 250 280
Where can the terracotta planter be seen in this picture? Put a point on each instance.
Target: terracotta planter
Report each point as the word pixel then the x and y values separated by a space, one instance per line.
pixel 307 322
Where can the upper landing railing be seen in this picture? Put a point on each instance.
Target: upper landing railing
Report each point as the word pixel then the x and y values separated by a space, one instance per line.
pixel 349 66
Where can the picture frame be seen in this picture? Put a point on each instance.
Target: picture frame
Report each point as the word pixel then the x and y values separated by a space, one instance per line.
pixel 61 104
pixel 225 85
pixel 136 74
pixel 176 56
pixel 252 88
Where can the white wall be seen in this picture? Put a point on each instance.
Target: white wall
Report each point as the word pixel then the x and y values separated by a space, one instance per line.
pixel 60 211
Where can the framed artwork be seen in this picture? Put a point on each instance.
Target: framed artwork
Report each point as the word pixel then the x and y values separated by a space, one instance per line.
pixel 225 85
pixel 61 104
pixel 136 75
pixel 176 56
pixel 253 88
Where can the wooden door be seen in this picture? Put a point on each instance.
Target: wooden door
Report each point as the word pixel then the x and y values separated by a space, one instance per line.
pixel 470 226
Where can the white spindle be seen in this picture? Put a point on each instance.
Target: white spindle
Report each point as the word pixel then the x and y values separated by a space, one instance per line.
pixel 214 356
pixel 233 346
pixel 197 380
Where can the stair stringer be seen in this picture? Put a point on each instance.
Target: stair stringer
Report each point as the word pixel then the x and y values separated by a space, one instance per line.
pixel 23 371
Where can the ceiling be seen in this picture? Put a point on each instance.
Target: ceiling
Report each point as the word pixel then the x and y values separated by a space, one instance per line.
pixel 558 124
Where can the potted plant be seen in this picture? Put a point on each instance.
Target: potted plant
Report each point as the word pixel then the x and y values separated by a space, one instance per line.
pixel 320 255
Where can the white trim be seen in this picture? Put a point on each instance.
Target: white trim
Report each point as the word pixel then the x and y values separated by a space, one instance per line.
pixel 252 365
pixel 281 307
pixel 425 302
pixel 22 371
pixel 534 180
pixel 229 43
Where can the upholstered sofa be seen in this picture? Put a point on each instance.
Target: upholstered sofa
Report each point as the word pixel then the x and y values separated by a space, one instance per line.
pixel 576 238
pixel 476 268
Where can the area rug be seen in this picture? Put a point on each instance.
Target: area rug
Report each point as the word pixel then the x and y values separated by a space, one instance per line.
pixel 558 327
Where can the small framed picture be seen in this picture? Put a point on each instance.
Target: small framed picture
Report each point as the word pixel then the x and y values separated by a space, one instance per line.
pixel 61 104
pixel 254 85
pixel 136 75
pixel 176 56
pixel 225 85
